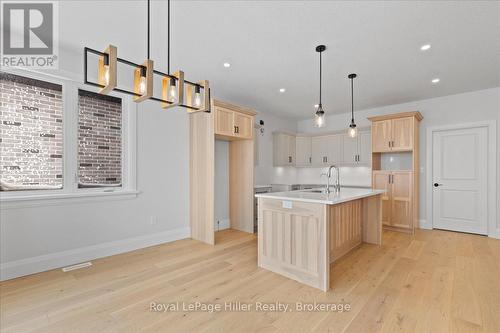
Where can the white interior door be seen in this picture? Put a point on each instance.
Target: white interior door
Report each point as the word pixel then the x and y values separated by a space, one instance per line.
pixel 459 170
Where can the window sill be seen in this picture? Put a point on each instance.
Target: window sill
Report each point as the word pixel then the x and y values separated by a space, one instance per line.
pixel 33 200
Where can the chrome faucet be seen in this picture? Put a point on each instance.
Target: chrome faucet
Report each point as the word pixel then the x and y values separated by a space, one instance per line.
pixel 336 187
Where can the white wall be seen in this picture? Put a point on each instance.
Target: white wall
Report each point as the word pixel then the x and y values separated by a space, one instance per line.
pixel 454 109
pixel 38 238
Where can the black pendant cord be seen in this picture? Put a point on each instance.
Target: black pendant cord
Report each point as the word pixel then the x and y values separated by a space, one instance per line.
pixel 149 28
pixel 320 71
pixel 168 38
pixel 352 100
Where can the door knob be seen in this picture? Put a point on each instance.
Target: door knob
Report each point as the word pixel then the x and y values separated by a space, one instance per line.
pixel 436 184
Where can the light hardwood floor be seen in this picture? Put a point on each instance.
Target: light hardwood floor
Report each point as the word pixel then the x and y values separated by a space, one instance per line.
pixel 436 281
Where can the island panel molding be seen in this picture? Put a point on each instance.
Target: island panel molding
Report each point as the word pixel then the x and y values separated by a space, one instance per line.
pixel 300 234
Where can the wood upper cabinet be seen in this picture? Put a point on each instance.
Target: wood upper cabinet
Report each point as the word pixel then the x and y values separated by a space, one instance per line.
pixel 283 149
pixel 381 136
pixel 224 121
pixel 243 125
pixel 232 124
pixel 402 134
pixel 303 155
pixel 394 134
pixel 397 201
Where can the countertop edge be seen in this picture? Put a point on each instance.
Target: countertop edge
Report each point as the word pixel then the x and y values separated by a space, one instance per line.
pixel 325 202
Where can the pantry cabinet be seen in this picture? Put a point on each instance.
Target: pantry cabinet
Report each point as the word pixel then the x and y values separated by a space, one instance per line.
pixel 396 137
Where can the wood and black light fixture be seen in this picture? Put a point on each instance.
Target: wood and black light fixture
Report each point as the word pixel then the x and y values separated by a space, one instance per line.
pixel 176 91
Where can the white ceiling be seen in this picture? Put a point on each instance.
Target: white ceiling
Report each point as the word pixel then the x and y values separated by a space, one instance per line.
pixel 270 45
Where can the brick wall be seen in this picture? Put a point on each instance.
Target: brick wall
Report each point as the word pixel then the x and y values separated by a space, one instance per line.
pixel 31 137
pixel 99 139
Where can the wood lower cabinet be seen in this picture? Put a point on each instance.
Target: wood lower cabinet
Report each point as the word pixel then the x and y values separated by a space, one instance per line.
pixel 397 210
pixel 231 124
pixel 401 192
pixel 381 181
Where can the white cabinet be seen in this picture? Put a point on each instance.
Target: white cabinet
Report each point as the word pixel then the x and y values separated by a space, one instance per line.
pixel 356 150
pixel 303 156
pixel 365 148
pixel 326 150
pixel 283 149
pixel 322 150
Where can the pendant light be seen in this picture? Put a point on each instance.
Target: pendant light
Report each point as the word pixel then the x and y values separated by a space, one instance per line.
pixel 352 131
pixel 319 117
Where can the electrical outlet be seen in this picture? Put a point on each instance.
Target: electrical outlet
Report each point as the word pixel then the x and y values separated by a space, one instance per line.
pixel 153 220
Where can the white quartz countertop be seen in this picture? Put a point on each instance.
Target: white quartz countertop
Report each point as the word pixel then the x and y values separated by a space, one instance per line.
pixel 346 194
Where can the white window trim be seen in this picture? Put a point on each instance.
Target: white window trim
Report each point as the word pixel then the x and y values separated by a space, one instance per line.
pixel 70 191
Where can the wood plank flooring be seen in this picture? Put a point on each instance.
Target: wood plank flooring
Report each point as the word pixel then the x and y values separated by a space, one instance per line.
pixel 435 281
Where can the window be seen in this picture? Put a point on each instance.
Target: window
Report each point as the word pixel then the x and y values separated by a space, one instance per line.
pixel 60 139
pixel 99 140
pixel 31 134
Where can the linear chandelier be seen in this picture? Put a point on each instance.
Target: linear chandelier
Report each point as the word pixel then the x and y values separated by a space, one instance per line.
pixel 176 90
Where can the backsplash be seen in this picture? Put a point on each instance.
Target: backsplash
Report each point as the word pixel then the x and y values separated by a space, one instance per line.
pixel 349 176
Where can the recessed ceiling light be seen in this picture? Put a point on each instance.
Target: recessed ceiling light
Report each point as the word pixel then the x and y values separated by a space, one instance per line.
pixel 436 80
pixel 282 90
pixel 227 65
pixel 425 47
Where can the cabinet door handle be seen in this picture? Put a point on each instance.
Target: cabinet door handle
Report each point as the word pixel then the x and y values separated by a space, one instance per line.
pixel 310 159
pixel 289 159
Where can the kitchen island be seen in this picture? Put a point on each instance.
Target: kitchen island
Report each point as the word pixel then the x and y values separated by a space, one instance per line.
pixel 300 233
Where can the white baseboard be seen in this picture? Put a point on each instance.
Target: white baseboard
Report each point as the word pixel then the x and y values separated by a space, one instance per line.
pixel 422 224
pixel 13 269
pixel 223 224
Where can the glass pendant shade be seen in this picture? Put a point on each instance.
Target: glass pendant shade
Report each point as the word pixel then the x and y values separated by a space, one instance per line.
pixel 106 74
pixel 142 85
pixel 172 90
pixel 352 131
pixel 319 118
pixel 197 97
